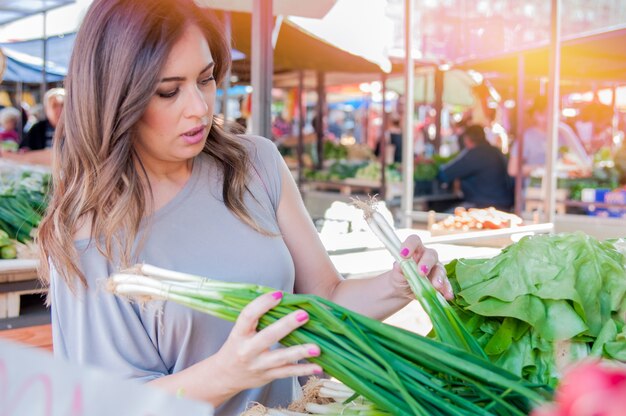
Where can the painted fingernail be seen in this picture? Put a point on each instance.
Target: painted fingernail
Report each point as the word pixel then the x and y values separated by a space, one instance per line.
pixel 318 371
pixel 404 252
pixel 313 352
pixel 424 269
pixel 439 282
pixel 302 316
pixel 277 295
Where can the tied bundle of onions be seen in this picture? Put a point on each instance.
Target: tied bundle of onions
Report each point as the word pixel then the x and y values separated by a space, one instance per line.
pixel 400 372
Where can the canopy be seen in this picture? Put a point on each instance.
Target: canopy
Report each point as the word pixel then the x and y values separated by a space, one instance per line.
pixel 11 10
pixel 597 56
pixel 315 9
pixel 457 86
pixel 24 59
pixel 296 50
pixel 24 62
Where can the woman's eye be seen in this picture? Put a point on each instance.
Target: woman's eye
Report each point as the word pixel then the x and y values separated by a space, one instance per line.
pixel 167 94
pixel 205 81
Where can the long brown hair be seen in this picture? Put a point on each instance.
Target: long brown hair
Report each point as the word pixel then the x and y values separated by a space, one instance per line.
pixel 114 71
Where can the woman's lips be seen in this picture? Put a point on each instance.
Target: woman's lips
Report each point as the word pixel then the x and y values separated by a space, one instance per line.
pixel 194 135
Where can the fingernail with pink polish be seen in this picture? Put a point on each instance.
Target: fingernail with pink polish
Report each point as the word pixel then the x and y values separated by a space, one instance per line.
pixel 302 316
pixel 318 371
pixel 424 269
pixel 404 252
pixel 314 352
pixel 277 295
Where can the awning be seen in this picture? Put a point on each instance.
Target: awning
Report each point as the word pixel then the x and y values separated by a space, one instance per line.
pixel 11 10
pixel 598 56
pixel 457 86
pixel 295 50
pixel 24 61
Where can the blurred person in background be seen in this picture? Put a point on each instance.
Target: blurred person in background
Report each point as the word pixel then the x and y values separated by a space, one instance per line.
pixel 9 121
pixel 36 146
pixel 395 138
pixel 535 144
pixel 481 169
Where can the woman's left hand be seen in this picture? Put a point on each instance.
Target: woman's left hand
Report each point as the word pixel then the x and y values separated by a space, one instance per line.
pixel 428 266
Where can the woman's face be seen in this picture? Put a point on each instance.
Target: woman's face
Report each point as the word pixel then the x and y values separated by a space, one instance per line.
pixel 178 117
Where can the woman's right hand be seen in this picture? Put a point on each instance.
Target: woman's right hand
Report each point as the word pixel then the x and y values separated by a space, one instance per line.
pixel 246 358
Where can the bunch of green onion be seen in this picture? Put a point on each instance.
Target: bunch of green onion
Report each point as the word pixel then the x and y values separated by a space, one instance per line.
pixel 400 372
pixel 447 325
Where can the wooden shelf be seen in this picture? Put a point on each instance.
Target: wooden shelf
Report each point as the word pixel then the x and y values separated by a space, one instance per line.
pixel 39 336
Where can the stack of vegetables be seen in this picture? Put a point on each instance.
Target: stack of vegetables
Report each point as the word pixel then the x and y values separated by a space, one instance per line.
pixel 545 297
pixel 398 371
pixel 7 247
pixel 23 200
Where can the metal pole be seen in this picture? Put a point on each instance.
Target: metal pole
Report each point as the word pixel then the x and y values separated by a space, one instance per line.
pixel 519 132
pixel 321 107
pixel 19 98
pixel 44 55
pixel 301 119
pixel 226 80
pixel 615 115
pixel 383 141
pixel 407 130
pixel 262 67
pixel 439 80
pixel 553 111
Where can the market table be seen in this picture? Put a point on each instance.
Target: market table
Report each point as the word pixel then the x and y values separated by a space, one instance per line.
pixel 371 262
pixel 17 277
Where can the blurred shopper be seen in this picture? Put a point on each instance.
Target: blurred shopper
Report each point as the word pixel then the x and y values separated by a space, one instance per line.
pixel 41 134
pixel 36 147
pixel 481 169
pixel 395 138
pixel 9 121
pixel 535 144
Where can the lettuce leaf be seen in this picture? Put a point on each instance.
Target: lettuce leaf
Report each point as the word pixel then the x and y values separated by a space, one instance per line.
pixel 541 290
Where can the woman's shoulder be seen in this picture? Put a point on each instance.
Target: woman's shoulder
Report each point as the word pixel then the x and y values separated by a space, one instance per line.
pixel 257 144
pixel 261 150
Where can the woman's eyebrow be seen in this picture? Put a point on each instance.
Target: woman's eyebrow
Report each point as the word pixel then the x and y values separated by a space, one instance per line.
pixel 205 69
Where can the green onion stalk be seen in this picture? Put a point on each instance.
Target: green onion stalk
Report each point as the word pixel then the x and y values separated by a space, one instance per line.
pixel 402 373
pixel 447 325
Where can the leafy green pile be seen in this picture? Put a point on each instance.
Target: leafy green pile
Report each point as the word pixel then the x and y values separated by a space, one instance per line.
pixel 23 201
pixel 336 151
pixel 542 290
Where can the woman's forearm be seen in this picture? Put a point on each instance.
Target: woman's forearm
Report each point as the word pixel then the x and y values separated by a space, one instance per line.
pixel 201 381
pixel 374 297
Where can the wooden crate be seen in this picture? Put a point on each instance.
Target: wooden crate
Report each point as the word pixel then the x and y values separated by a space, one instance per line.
pixel 17 278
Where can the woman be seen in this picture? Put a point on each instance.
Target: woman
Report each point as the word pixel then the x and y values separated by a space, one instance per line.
pixel 142 173
pixel 9 121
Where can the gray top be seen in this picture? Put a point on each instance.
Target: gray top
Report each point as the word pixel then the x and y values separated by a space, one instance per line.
pixel 193 233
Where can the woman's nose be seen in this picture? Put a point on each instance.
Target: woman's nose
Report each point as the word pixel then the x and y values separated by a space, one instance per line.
pixel 197 105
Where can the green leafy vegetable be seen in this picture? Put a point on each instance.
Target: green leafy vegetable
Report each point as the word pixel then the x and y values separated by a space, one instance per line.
pixel 542 290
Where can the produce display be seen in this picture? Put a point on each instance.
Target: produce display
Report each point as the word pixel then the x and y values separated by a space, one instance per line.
pixel 543 297
pixel 321 397
pixel 7 246
pixel 343 169
pixel 477 219
pixel 23 200
pixel 402 373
